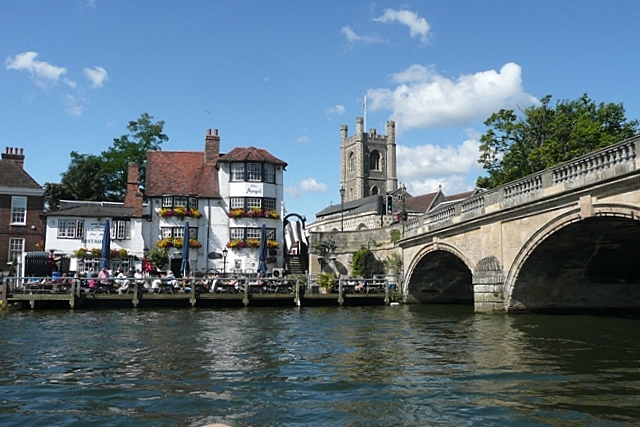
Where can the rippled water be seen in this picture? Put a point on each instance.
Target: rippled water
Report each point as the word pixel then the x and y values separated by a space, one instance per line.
pixel 371 366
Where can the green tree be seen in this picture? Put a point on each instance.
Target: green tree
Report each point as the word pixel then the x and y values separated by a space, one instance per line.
pixel 53 193
pixel 158 257
pixel 144 135
pixel 365 264
pixel 104 177
pixel 516 146
pixel 86 178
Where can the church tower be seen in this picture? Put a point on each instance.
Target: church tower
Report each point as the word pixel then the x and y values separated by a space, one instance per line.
pixel 368 161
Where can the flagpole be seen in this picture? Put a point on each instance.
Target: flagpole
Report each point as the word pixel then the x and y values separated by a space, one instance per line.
pixel 364 109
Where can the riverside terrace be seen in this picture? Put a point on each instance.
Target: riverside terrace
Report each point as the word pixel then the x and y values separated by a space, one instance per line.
pixel 22 292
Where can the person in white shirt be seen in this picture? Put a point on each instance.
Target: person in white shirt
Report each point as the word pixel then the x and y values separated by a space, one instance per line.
pixel 122 282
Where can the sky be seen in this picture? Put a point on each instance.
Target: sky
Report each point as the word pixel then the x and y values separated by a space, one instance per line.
pixel 285 75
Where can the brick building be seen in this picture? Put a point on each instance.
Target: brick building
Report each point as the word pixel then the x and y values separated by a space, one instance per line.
pixel 21 203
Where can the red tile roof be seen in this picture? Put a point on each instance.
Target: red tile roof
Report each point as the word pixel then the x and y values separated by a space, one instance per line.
pixel 251 154
pixel 180 172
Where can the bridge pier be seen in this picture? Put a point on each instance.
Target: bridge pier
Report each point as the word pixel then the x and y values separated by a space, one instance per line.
pixel 488 292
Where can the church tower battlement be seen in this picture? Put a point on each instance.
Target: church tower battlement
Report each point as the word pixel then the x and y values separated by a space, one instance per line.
pixel 368 161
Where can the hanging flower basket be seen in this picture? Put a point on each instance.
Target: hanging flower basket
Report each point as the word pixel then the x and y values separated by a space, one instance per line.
pixel 179 213
pixel 80 253
pixel 250 243
pixel 241 244
pixel 97 253
pixel 253 213
pixel 177 243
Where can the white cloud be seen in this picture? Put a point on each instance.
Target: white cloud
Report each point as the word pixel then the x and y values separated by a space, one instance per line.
pixel 89 4
pixel 417 26
pixel 304 138
pixel 293 192
pixel 40 71
pixel 310 184
pixel 97 75
pixel 73 105
pixel 354 38
pixel 425 167
pixel 423 98
pixel 336 110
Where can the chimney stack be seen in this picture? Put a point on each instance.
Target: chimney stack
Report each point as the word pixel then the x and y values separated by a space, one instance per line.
pixel 211 147
pixel 133 197
pixel 15 155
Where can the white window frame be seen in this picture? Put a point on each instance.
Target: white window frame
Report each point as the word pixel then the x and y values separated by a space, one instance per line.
pixel 237 171
pixel 18 210
pixel 167 201
pixel 236 233
pixel 193 203
pixel 254 172
pixel 16 248
pixel 254 202
pixel 121 229
pixel 236 203
pixel 253 233
pixel 70 228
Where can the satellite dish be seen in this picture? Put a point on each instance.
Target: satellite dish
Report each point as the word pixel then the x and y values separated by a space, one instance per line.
pixel 214 255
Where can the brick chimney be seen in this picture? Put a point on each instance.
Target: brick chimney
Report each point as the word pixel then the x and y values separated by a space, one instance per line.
pixel 16 155
pixel 211 147
pixel 133 197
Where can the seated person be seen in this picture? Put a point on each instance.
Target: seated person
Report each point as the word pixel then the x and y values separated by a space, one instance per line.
pixel 122 282
pixel 171 280
pixel 158 283
pixel 360 287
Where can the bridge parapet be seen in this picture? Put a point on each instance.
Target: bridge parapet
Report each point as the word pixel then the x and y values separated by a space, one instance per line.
pixel 610 162
pixel 624 152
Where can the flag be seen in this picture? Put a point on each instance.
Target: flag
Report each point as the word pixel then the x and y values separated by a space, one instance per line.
pixel 364 103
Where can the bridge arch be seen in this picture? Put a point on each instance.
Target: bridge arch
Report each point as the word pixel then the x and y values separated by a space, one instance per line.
pixel 579 262
pixel 440 273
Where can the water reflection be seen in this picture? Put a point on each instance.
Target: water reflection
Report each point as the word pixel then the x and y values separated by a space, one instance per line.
pixel 373 366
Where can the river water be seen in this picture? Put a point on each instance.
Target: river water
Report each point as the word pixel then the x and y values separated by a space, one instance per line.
pixel 412 365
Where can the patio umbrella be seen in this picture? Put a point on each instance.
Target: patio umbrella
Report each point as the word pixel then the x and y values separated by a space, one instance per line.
pixel 106 246
pixel 185 251
pixel 262 251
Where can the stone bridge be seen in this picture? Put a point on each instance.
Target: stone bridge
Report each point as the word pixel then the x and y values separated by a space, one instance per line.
pixel 564 239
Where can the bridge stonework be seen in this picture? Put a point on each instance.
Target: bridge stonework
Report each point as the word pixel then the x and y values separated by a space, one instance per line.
pixel 567 238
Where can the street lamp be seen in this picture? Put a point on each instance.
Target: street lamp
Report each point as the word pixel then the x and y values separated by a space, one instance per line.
pixel 224 262
pixel 341 208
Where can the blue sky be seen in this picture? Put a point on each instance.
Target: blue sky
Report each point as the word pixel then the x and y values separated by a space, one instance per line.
pixel 284 75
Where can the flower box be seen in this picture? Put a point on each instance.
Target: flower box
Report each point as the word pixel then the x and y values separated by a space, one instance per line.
pixel 179 213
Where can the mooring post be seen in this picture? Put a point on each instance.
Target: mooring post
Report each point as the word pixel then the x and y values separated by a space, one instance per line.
pixel 340 296
pixel 245 299
pixel 193 299
pixel 3 304
pixel 72 295
pixel 135 299
pixel 386 292
pixel 296 299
